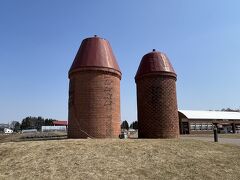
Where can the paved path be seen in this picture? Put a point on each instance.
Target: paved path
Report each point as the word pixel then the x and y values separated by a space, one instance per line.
pixel 220 140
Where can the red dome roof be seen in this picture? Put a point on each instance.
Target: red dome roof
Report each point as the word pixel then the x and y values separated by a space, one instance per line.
pixel 155 62
pixel 95 52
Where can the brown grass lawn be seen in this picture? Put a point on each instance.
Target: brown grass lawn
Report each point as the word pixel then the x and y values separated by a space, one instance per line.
pixel 119 159
pixel 17 137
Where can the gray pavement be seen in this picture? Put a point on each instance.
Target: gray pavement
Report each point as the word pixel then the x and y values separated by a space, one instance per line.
pixel 220 140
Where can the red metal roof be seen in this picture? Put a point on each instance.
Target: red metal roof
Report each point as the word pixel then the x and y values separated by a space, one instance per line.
pixel 155 62
pixel 95 52
pixel 60 123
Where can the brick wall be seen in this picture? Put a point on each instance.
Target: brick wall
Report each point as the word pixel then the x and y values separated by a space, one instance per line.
pixel 94 105
pixel 157 107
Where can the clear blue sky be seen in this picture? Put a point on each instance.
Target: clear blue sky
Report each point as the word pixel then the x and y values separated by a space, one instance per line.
pixel 39 40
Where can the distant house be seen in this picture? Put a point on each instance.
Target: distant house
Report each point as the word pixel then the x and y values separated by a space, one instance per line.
pixel 53 128
pixel 8 131
pixel 198 122
pixel 57 126
pixel 60 123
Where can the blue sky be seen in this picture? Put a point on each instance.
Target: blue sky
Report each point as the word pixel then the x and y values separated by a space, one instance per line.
pixel 39 40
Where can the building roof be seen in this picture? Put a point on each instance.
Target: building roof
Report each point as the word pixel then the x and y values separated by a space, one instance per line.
pixel 155 62
pixel 95 52
pixel 191 114
pixel 60 123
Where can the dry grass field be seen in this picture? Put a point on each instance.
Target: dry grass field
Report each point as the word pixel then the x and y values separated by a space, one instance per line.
pixel 16 137
pixel 119 159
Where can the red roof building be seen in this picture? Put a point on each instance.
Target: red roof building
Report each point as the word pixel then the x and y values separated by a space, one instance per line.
pixel 60 123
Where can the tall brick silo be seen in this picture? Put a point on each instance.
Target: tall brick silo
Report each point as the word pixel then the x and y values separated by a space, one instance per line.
pixel 94 91
pixel 156 97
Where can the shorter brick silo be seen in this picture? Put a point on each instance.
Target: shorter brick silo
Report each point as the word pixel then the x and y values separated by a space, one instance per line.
pixel 156 97
pixel 94 91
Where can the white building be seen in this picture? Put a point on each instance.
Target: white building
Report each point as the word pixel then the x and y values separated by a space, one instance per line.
pixel 198 122
pixel 54 128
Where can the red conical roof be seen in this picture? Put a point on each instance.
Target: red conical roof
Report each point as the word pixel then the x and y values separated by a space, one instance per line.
pixel 95 53
pixel 155 62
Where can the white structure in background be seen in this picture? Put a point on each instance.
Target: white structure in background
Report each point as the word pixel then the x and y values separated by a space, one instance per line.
pixel 53 128
pixel 8 131
pixel 29 131
pixel 192 121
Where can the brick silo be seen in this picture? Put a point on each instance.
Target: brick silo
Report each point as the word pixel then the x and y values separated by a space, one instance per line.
pixel 156 97
pixel 94 91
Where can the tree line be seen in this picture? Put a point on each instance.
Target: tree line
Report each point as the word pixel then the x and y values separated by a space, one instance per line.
pixel 31 123
pixel 125 125
pixel 230 110
pixel 37 122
